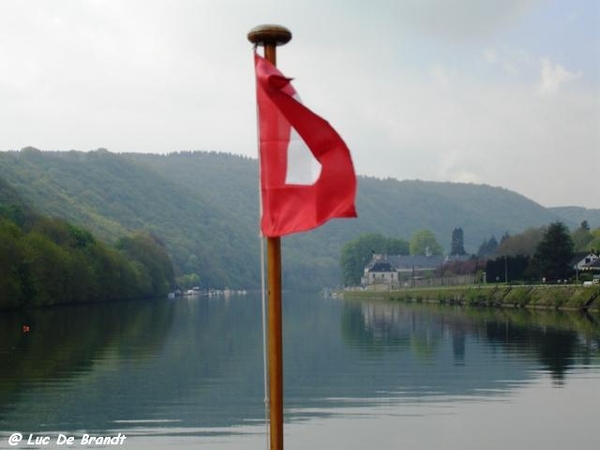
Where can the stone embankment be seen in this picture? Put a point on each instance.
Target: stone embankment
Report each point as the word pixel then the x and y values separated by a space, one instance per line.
pixel 564 297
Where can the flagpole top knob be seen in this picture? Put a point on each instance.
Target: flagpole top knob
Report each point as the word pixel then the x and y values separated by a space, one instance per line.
pixel 269 35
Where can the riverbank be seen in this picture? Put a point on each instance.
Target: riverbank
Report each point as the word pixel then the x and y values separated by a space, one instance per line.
pixel 567 297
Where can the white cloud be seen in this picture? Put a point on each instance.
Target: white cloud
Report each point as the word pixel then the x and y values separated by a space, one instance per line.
pixel 553 76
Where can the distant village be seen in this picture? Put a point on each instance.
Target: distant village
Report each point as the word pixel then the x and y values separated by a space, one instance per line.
pixel 385 272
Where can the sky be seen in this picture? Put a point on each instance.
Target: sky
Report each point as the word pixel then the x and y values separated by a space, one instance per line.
pixel 504 93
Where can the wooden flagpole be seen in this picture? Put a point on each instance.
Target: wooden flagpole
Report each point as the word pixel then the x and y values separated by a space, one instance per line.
pixel 270 36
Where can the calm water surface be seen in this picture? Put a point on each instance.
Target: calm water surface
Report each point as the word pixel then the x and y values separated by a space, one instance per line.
pixel 188 374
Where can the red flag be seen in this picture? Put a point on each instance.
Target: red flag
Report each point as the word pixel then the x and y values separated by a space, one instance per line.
pixel 306 172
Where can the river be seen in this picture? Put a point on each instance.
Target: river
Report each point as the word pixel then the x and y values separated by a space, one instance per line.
pixel 188 374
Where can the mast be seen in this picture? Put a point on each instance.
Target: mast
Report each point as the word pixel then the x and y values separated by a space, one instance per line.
pixel 271 36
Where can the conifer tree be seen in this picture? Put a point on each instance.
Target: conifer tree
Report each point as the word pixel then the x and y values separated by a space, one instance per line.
pixel 555 251
pixel 457 246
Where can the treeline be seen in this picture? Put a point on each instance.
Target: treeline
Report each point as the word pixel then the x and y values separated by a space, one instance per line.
pixel 48 261
pixel 199 207
pixel 537 254
pixel 544 253
pixel 204 207
pixel 583 238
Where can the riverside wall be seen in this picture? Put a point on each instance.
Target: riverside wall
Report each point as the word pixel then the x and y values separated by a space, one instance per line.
pixel 560 297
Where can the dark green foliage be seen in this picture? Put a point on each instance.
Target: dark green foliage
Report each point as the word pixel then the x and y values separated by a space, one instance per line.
pixel 457 246
pixel 47 261
pixel 356 254
pixel 555 251
pixel 510 269
pixel 205 210
pixel 151 255
pixel 487 247
pixel 204 207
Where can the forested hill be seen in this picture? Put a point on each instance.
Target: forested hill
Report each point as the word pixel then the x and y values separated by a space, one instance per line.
pixel 569 212
pixel 46 261
pixel 112 195
pixel 204 207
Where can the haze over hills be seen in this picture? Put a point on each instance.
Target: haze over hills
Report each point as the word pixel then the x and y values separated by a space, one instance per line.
pixel 204 207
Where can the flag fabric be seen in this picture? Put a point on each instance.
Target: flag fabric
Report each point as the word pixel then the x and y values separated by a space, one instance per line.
pixel 306 171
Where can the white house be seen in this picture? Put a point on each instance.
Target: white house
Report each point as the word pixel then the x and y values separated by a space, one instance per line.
pixel 585 261
pixel 380 272
pixel 389 270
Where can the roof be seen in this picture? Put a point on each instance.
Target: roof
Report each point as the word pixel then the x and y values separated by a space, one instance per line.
pixel 594 264
pixel 580 255
pixel 579 259
pixel 381 266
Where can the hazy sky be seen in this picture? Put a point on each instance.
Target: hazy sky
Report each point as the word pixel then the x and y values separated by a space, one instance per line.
pixel 505 93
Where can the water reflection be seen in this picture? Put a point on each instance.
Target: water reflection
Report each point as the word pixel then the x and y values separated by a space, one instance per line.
pixel 557 340
pixel 46 352
pixel 194 367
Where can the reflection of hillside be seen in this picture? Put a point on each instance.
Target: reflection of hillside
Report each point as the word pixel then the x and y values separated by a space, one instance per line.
pixel 66 343
pixel 556 339
pixel 182 363
pixel 195 366
pixel 555 349
pixel 390 352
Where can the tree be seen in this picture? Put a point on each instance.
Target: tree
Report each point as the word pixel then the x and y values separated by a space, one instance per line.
pixel 524 243
pixel 10 261
pixel 582 236
pixel 188 281
pixel 423 242
pixel 594 244
pixel 487 248
pixel 555 251
pixel 508 269
pixel 150 253
pixel 394 246
pixel 457 247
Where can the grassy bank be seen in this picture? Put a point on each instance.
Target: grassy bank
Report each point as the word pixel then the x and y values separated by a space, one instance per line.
pixel 541 296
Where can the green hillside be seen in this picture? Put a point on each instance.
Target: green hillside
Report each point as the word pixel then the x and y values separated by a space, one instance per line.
pixel 46 261
pixel 112 195
pixel 204 207
pixel 577 214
